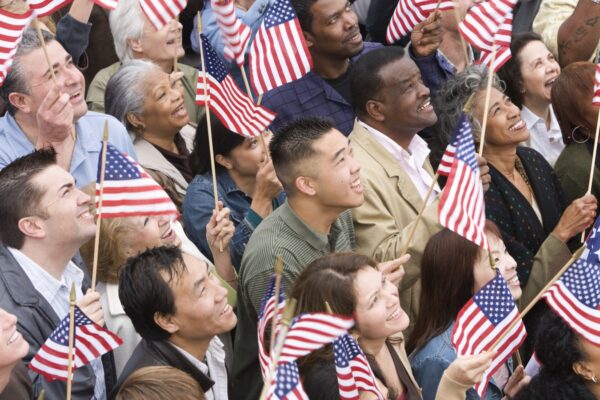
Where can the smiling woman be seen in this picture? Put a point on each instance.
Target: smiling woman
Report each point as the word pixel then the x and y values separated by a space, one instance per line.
pixel 13 347
pixel 150 103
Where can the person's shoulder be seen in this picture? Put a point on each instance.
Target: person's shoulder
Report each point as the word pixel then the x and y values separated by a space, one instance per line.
pixel 189 72
pixel 532 155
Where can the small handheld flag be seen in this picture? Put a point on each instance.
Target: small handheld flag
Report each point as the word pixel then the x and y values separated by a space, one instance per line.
pixel 91 342
pixel 410 13
pixel 160 12
pixel 234 33
pixel 482 22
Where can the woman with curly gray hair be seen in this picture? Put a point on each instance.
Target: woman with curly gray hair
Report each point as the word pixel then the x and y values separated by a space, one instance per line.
pixel 525 199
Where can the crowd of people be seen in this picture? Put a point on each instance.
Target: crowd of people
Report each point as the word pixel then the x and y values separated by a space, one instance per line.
pixel 349 163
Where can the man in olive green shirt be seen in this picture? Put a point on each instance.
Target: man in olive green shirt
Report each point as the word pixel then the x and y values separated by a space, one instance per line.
pixel 314 163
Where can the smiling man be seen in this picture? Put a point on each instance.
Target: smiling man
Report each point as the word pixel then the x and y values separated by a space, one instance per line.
pixel 178 307
pixel 45 219
pixel 393 105
pixel 42 114
pixel 333 38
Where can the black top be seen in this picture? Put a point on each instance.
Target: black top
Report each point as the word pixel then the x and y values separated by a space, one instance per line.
pixel 342 84
pixel 180 161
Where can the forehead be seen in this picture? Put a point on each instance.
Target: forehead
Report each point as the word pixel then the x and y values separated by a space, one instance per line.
pixel 194 269
pixel 533 50
pixel 34 62
pixel 330 143
pixel 51 179
pixel 398 70
pixel 322 9
pixel 367 281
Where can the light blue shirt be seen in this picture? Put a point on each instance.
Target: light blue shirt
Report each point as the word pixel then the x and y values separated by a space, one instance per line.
pixel 56 293
pixel 84 163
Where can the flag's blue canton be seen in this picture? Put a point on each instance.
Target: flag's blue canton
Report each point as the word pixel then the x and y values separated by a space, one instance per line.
pixel 214 66
pixel 340 353
pixel 279 13
pixel 287 379
pixel 495 300
pixel 118 168
pixel 61 335
pixel 463 141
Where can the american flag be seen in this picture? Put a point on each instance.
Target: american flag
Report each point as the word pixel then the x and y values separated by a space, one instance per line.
pixel 265 316
pixel 233 107
pixel 90 341
pixel 42 8
pixel 129 190
pixel 234 33
pixel 12 27
pixel 287 384
pixel 575 297
pixel 462 208
pixel 483 21
pixel 502 44
pixel 596 98
pixel 278 53
pixel 410 13
pixel 485 319
pixel 160 12
pixel 353 370
pixel 311 331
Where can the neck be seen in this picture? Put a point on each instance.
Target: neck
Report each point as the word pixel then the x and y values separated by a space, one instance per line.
pixel 503 159
pixel 246 183
pixel 540 108
pixel 165 65
pixel 53 259
pixel 454 49
pixel 402 137
pixel 330 68
pixel 28 125
pixel 164 141
pixel 372 346
pixel 196 348
pixel 317 217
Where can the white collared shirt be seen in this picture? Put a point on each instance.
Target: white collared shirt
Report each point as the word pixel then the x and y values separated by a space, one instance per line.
pixel 56 293
pixel 411 161
pixel 213 368
pixel 548 142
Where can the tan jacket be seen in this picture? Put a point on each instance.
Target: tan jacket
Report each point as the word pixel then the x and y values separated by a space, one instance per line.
pixel 392 203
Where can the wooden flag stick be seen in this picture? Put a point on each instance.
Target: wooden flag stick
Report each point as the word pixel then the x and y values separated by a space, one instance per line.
pixel 593 166
pixel 176 47
pixel 420 215
pixel 42 395
pixel 71 340
pixel 488 93
pixel 463 43
pixel 260 137
pixel 38 28
pixel 288 314
pixel 208 124
pixel 278 272
pixel 99 210
pixel 537 298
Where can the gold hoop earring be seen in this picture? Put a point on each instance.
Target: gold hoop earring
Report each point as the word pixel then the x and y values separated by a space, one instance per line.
pixel 594 379
pixel 580 141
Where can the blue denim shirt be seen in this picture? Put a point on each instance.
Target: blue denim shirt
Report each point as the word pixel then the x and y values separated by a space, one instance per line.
pixel 198 206
pixel 429 363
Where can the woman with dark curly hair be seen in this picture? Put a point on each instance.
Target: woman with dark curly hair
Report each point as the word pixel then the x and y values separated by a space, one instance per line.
pixel 529 75
pixel 570 364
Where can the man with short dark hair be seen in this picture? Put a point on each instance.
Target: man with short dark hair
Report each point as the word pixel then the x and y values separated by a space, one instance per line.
pixel 333 38
pixel 178 307
pixel 43 114
pixel 45 219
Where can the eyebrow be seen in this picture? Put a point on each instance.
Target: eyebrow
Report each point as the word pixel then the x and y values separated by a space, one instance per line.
pixel 66 186
pixel 56 65
pixel 201 280
pixel 340 151
pixel 337 13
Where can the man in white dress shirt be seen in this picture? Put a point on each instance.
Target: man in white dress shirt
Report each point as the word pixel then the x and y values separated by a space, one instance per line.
pixel 45 219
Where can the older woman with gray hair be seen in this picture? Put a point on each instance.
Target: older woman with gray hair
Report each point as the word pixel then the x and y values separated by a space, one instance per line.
pixel 150 103
pixel 136 38
pixel 525 199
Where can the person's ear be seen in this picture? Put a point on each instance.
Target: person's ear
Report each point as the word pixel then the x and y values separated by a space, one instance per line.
pixel 375 110
pixel 305 185
pixel 582 369
pixel 20 101
pixel 166 322
pixel 224 161
pixel 32 227
pixel 309 39
pixel 135 45
pixel 136 121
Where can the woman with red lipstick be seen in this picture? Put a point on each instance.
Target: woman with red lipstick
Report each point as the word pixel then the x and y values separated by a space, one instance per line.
pixel 529 75
pixel 572 99
pixel 150 103
pixel 452 270
pixel 352 285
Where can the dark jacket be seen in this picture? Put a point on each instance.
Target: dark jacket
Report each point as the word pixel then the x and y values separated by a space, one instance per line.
pixel 19 386
pixel 37 320
pixel 160 352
